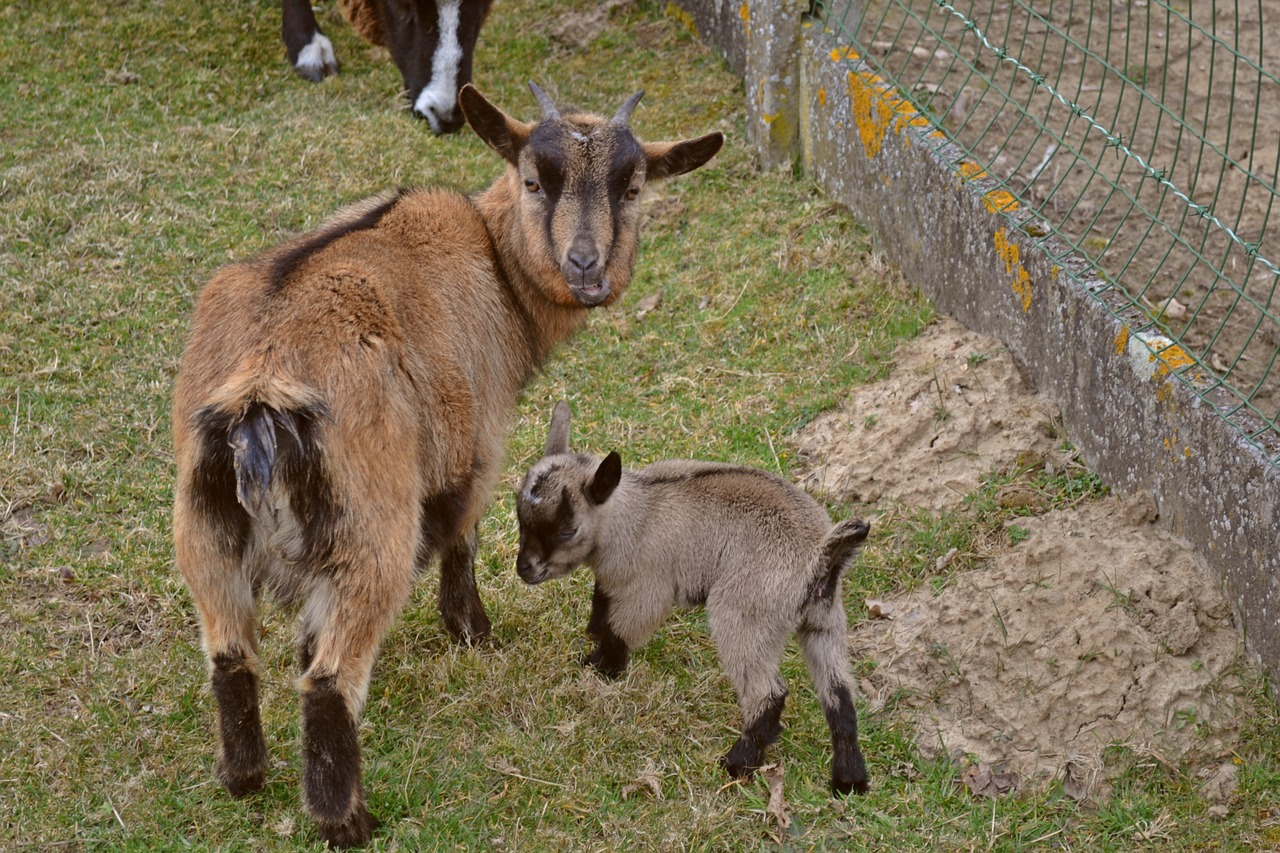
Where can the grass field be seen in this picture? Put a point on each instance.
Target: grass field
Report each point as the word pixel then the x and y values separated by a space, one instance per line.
pixel 142 145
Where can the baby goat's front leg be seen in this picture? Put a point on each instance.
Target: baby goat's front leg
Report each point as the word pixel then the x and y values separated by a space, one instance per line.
pixel 611 654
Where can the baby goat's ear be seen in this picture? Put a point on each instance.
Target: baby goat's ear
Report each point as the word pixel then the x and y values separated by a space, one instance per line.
pixel 503 133
pixel 558 434
pixel 606 478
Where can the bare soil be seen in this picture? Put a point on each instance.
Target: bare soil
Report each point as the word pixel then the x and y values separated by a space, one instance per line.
pixel 1098 627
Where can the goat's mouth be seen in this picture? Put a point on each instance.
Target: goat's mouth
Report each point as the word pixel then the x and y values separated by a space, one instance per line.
pixel 532 575
pixel 590 294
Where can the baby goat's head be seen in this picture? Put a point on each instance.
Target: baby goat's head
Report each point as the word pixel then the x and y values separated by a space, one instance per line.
pixel 559 503
pixel 577 179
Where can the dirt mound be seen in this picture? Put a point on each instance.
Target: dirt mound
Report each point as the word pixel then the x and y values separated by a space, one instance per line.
pixel 1097 627
pixel 955 407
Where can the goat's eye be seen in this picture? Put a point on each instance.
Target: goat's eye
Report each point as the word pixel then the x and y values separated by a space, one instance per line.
pixel 568 533
pixel 632 193
pixel 532 186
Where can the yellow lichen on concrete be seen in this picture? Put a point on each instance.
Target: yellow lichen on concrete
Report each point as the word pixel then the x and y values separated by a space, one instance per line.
pixel 1122 340
pixel 839 54
pixel 871 112
pixel 1012 257
pixel 999 201
pixel 822 96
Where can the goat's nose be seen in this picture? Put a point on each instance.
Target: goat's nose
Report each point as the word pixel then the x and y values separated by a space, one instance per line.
pixel 583 260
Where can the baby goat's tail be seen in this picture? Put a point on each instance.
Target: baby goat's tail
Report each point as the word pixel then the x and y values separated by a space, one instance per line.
pixel 838 550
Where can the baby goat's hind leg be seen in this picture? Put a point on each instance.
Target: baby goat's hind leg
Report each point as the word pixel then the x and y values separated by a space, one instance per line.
pixel 752 666
pixel 823 640
pixel 209 553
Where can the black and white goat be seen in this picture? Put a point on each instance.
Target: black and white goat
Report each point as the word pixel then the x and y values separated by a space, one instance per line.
pixel 431 41
pixel 341 411
pixel 761 554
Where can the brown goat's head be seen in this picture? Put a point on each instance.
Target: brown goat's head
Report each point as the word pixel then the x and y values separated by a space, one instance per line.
pixel 578 178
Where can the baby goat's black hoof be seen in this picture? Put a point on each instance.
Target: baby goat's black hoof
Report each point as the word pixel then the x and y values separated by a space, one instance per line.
pixel 739 762
pixel 596 660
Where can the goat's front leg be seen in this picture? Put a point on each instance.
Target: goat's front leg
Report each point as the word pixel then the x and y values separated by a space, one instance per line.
pixel 610 655
pixel 598 623
pixel 460 605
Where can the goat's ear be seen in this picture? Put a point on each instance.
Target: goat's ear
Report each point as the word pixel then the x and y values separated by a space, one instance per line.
pixel 502 133
pixel 606 478
pixel 558 434
pixel 667 159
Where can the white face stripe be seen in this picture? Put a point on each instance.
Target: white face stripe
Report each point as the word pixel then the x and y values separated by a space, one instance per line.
pixel 441 95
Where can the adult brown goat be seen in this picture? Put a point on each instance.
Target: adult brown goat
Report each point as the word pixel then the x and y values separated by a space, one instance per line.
pixel 340 414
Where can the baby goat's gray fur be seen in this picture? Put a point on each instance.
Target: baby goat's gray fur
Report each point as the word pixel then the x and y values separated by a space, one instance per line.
pixel 761 554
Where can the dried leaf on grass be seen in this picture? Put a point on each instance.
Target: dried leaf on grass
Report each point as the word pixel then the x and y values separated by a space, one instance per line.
pixel 648 779
pixel 1219 785
pixel 879 609
pixel 649 303
pixel 777 807
pixel 1075 783
pixel 983 781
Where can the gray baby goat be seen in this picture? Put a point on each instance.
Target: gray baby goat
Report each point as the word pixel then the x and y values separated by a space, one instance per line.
pixel 758 552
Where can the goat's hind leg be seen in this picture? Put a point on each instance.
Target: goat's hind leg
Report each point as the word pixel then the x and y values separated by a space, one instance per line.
pixel 752 666
pixel 211 561
pixel 355 598
pixel 823 642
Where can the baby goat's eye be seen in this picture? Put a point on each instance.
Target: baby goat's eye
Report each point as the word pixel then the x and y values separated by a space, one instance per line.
pixel 632 192
pixel 568 533
pixel 532 186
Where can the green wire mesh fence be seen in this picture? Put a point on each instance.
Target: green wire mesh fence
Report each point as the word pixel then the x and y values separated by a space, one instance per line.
pixel 1144 135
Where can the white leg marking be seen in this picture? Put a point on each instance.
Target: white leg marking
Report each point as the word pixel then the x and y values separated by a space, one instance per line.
pixel 317 59
pixel 440 97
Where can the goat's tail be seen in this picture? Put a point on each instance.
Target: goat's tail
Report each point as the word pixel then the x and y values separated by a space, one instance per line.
pixel 260 420
pixel 837 551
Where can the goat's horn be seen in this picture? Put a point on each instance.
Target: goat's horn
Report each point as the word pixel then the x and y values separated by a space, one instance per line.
pixel 623 115
pixel 549 110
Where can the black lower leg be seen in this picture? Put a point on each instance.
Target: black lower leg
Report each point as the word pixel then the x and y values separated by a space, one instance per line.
pixel 460 604
pixel 611 654
pixel 747 753
pixel 242 753
pixel 599 621
pixel 331 767
pixel 848 769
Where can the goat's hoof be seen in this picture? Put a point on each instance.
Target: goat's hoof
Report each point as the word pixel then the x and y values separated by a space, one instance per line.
pixel 240 785
pixel 473 632
pixel 355 831
pixel 738 767
pixel 596 661
pixel 845 787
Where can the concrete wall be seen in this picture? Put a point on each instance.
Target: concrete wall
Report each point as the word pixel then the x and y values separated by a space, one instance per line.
pixel 958 238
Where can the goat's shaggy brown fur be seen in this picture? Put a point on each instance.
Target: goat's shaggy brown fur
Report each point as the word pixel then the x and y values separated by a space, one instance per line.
pixel 340 414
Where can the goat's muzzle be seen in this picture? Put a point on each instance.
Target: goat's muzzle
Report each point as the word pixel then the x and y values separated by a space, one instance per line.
pixel 583 270
pixel 528 572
